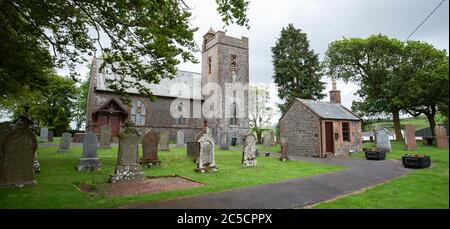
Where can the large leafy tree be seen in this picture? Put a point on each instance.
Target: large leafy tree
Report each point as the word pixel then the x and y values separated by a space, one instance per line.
pixel 260 111
pixel 56 103
pixel 297 69
pixel 424 75
pixel 145 39
pixel 373 63
pixel 79 113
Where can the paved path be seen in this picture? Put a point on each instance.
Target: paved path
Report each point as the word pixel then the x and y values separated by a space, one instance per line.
pixel 294 193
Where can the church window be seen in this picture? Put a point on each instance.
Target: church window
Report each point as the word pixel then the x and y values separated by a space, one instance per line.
pixel 233 68
pixel 209 65
pixel 180 119
pixel 138 113
pixel 234 120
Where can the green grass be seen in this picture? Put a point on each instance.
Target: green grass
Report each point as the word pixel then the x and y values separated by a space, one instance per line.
pixel 424 188
pixel 274 149
pixel 55 184
pixel 419 122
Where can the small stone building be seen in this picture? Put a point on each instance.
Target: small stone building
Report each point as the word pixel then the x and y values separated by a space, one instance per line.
pixel 320 128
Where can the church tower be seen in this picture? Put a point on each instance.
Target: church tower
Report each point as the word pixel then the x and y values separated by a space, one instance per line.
pixel 225 61
pixel 335 94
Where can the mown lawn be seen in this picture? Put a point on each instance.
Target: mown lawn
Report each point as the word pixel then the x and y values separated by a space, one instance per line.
pixel 424 188
pixel 56 183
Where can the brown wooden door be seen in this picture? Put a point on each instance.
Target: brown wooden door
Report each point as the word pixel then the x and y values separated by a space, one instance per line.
pixel 329 140
pixel 114 121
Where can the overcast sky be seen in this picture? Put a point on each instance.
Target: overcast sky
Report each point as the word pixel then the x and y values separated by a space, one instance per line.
pixel 324 21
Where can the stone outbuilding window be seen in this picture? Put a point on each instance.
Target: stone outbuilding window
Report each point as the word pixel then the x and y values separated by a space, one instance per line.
pixel 346 131
pixel 138 113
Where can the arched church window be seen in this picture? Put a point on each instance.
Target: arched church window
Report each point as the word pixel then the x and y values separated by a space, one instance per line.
pixel 138 113
pixel 180 119
pixel 233 68
pixel 234 120
pixel 209 65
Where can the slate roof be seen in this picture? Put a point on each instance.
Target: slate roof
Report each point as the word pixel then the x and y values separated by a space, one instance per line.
pixel 328 110
pixel 184 85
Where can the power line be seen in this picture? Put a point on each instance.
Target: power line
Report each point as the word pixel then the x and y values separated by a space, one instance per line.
pixel 429 15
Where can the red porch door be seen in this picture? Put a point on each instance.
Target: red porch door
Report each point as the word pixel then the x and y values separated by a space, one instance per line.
pixel 114 121
pixel 329 140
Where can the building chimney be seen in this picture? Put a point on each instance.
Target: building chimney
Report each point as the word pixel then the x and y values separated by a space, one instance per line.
pixel 335 94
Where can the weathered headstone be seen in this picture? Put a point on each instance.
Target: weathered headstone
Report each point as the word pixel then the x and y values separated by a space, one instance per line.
pixel 89 159
pixel 51 135
pixel 410 137
pixel 382 139
pixel 127 167
pixel 64 145
pixel 441 136
pixel 164 140
pixel 223 141
pixel 180 138
pixel 284 150
pixel 17 154
pixel 205 160
pixel 43 136
pixel 266 140
pixel 105 137
pixel 150 149
pixel 249 151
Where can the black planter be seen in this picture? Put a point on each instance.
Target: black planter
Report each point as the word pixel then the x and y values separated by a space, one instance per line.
pixel 375 154
pixel 416 162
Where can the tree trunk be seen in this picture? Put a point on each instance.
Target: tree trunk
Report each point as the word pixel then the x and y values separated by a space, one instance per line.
pixel 258 135
pixel 432 123
pixel 397 127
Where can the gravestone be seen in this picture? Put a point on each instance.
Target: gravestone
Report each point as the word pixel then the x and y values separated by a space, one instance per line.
pixel 150 149
pixel 382 139
pixel 89 160
pixel 249 151
pixel 43 136
pixel 105 137
pixel 223 141
pixel 64 145
pixel 205 160
pixel 127 167
pixel 164 140
pixel 266 139
pixel 17 155
pixel 284 150
pixel 51 135
pixel 78 137
pixel 410 137
pixel 180 138
pixel 441 136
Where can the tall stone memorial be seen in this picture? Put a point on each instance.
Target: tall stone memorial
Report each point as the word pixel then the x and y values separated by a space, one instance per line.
pixel 127 167
pixel 89 160
pixel 43 135
pixel 18 147
pixel 205 160
pixel 284 150
pixel 441 136
pixel 105 137
pixel 382 139
pixel 223 139
pixel 180 138
pixel 410 137
pixel 150 149
pixel 249 151
pixel 164 140
pixel 64 145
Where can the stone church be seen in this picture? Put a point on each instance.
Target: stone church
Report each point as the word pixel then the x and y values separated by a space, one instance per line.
pixel 225 60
